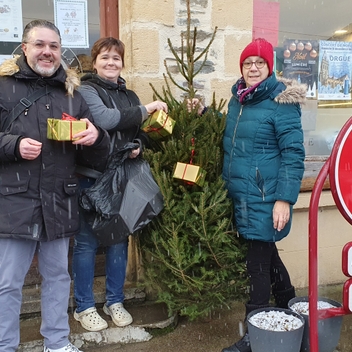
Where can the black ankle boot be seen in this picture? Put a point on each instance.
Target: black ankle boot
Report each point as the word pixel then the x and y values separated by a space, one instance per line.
pixel 283 297
pixel 243 345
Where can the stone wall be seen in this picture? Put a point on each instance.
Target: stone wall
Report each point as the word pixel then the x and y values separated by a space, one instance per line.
pixel 146 26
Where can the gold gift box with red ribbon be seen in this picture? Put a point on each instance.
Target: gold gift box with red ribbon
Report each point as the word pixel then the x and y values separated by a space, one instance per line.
pixel 158 125
pixel 65 129
pixel 189 173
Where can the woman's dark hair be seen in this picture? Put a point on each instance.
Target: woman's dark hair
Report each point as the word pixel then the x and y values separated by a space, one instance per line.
pixel 40 24
pixel 108 43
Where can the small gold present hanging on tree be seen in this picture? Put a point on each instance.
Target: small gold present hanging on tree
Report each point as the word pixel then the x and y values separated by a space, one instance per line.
pixel 191 174
pixel 158 125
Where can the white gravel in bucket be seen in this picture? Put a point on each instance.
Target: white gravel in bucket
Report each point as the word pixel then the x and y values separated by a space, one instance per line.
pixel 303 307
pixel 275 321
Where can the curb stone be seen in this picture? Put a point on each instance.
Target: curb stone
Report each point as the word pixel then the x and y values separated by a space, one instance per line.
pixel 116 335
pixel 140 331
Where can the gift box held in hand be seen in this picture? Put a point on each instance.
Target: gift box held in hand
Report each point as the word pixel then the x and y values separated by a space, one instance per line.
pixel 158 125
pixel 190 173
pixel 64 129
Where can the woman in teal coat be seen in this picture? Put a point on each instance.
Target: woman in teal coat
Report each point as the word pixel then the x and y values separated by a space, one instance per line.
pixel 263 168
pixel 264 153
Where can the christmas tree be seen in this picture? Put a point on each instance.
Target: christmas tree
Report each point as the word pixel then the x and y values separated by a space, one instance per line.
pixel 192 256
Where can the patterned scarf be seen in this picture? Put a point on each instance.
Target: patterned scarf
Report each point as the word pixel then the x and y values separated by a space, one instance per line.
pixel 243 91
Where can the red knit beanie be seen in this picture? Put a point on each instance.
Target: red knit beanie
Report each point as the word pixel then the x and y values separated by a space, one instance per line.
pixel 259 47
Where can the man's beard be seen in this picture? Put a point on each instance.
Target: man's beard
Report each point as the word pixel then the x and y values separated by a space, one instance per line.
pixel 45 72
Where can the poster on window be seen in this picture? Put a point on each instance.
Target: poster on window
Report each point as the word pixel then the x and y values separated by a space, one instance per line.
pixel 71 17
pixel 335 66
pixel 300 62
pixel 11 27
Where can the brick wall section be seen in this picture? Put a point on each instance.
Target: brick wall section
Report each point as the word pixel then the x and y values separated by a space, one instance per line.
pixel 146 26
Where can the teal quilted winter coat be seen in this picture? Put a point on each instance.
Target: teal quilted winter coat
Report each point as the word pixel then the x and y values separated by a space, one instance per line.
pixel 264 155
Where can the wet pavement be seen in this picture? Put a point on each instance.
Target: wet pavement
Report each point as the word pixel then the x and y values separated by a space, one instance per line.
pixel 154 331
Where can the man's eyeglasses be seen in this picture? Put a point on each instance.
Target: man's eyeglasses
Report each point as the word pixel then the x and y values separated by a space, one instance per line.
pixel 258 64
pixel 39 45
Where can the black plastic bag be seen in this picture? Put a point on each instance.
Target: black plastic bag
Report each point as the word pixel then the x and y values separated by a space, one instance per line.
pixel 124 198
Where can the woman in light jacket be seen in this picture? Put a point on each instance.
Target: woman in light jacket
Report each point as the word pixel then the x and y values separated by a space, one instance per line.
pixel 119 111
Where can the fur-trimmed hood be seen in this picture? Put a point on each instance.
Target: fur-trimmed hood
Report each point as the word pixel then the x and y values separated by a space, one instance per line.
pixel 18 67
pixel 295 92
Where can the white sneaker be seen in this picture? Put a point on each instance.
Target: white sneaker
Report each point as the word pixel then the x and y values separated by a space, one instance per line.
pixel 91 320
pixel 67 348
pixel 119 314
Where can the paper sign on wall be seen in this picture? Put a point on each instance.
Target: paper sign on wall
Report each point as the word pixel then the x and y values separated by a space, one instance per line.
pixel 11 26
pixel 71 17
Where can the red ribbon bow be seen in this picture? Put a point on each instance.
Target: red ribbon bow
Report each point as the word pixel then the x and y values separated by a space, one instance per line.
pixel 68 117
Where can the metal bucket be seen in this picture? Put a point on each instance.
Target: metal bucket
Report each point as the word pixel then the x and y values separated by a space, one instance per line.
pixel 274 341
pixel 329 330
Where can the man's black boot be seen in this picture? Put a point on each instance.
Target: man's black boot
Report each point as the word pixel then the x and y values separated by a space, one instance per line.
pixel 242 345
pixel 283 297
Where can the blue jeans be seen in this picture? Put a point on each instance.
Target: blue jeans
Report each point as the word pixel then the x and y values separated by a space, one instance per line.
pixel 84 251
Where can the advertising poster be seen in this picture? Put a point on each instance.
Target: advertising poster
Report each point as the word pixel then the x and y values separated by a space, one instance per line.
pixel 71 17
pixel 300 62
pixel 11 27
pixel 335 66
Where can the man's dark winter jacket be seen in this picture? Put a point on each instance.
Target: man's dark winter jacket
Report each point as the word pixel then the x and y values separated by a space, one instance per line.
pixel 39 198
